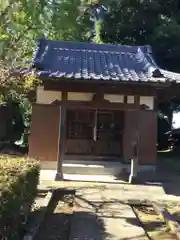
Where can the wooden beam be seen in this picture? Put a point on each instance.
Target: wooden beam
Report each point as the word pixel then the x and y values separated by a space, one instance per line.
pixel 158 84
pixel 64 95
pixel 62 135
pixel 98 97
pixel 136 143
pixel 137 100
pixel 156 103
pixel 94 105
pixel 96 87
pixel 168 93
pixel 125 99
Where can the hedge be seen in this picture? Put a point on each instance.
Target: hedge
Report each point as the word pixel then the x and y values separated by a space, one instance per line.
pixel 18 188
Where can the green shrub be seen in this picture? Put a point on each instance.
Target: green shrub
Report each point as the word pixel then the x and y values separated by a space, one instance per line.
pixel 18 188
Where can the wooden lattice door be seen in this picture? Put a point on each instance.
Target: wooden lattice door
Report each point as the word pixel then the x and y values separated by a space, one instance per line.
pixel 94 132
pixel 109 128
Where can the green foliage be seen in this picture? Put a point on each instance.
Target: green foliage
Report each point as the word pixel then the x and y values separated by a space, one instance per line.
pixel 98 26
pixel 18 188
pixel 155 23
pixel 22 22
pixel 16 118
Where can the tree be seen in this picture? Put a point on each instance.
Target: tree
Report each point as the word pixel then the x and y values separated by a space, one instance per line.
pixel 155 23
pixel 21 23
pixel 148 22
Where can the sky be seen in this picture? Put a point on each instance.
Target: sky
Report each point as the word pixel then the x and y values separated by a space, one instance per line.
pixel 176 120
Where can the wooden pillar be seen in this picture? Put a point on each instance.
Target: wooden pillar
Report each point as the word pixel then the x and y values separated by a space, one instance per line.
pixel 135 144
pixel 62 138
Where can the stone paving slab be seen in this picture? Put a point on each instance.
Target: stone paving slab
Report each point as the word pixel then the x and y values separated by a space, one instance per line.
pixel 113 221
pixel 121 223
pixel 86 226
pixel 125 192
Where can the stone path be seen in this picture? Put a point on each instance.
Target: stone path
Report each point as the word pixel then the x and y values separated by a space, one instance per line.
pixel 100 212
pixel 103 219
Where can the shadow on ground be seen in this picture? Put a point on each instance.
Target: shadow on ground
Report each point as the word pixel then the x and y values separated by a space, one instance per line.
pixel 166 175
pixel 105 212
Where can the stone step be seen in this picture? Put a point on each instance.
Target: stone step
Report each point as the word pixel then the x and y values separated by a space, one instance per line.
pixel 81 167
pixel 95 169
pixel 101 168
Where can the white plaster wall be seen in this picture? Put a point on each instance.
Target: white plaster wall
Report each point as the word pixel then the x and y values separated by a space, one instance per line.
pixel 148 100
pixel 46 97
pixel 114 98
pixel 79 96
pixel 130 99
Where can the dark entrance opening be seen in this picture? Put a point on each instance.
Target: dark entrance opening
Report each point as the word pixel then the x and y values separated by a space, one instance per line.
pixel 94 132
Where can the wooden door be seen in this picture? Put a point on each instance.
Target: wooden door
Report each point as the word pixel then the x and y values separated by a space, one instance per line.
pixel 109 127
pixel 79 131
pixel 103 133
pixel 94 132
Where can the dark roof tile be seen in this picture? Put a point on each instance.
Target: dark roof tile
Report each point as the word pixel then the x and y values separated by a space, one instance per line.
pixel 79 60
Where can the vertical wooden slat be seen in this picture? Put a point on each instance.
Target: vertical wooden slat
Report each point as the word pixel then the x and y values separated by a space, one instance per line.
pixel 136 99
pixel 64 95
pixel 125 99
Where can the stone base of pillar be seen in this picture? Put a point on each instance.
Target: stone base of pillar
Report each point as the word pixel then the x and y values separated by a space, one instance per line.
pixel 133 180
pixel 59 177
pixel 133 172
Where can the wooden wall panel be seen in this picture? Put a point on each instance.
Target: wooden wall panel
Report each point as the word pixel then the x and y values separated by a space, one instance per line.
pixel 43 140
pixel 147 135
pixel 129 134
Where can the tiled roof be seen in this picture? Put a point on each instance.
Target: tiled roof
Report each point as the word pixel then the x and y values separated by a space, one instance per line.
pixel 79 60
pixel 171 76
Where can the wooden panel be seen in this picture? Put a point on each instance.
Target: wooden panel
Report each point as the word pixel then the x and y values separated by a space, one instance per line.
pixel 105 87
pixel 80 124
pixel 129 134
pixel 107 140
pixel 78 146
pixel 105 105
pixel 100 147
pixel 147 136
pixel 43 140
pixel 109 132
pixel 107 148
pixel 116 148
